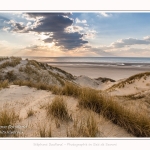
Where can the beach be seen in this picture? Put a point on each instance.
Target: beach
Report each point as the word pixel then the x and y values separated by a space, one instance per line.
pixel 98 70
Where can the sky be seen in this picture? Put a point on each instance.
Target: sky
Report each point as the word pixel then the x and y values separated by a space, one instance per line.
pixel 75 34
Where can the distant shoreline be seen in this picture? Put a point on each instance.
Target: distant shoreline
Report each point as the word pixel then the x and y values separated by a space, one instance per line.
pixel 96 70
pixel 100 64
pixel 113 70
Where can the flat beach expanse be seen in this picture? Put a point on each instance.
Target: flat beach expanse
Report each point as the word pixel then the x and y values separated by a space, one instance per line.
pixel 98 70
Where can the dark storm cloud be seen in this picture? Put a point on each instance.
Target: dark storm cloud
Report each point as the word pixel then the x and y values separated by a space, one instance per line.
pixel 18 27
pixel 44 15
pixel 36 15
pixel 68 40
pixel 48 40
pixel 55 23
pixel 50 22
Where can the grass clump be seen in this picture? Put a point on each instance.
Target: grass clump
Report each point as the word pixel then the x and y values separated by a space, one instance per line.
pixel 30 112
pixel 43 132
pixel 58 108
pixel 90 99
pixel 71 90
pixel 10 76
pixel 7 119
pixel 84 128
pixel 39 86
pixel 14 61
pixel 29 70
pixel 138 125
pixel 129 80
pixel 34 63
pixel 3 58
pixel 68 75
pixel 57 76
pixel 4 84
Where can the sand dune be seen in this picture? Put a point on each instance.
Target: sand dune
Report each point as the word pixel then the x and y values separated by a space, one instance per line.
pixel 132 85
pixel 85 81
pixel 30 104
pixel 24 98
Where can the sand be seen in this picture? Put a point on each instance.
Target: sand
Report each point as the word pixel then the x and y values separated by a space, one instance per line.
pixel 95 71
pixel 22 98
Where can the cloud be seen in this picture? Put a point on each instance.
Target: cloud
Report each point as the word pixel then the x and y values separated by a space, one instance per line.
pixel 132 52
pixel 51 23
pixel 43 15
pixel 104 14
pixel 57 26
pixel 123 47
pixel 72 29
pixel 130 41
pixel 147 38
pixel 67 40
pixel 17 27
pixel 80 21
pixel 90 34
pixel 99 50
pixel 6 29
pixel 32 47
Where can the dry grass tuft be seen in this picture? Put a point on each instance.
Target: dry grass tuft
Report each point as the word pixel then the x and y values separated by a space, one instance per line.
pixel 30 112
pixel 29 70
pixel 7 119
pixel 57 77
pixel 39 86
pixel 10 76
pixel 4 84
pixel 34 63
pixel 138 125
pixel 71 90
pixel 43 132
pixel 90 99
pixel 68 75
pixel 84 128
pixel 14 61
pixel 129 80
pixel 3 58
pixel 58 108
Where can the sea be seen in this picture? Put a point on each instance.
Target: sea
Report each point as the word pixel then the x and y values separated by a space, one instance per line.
pixel 101 61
